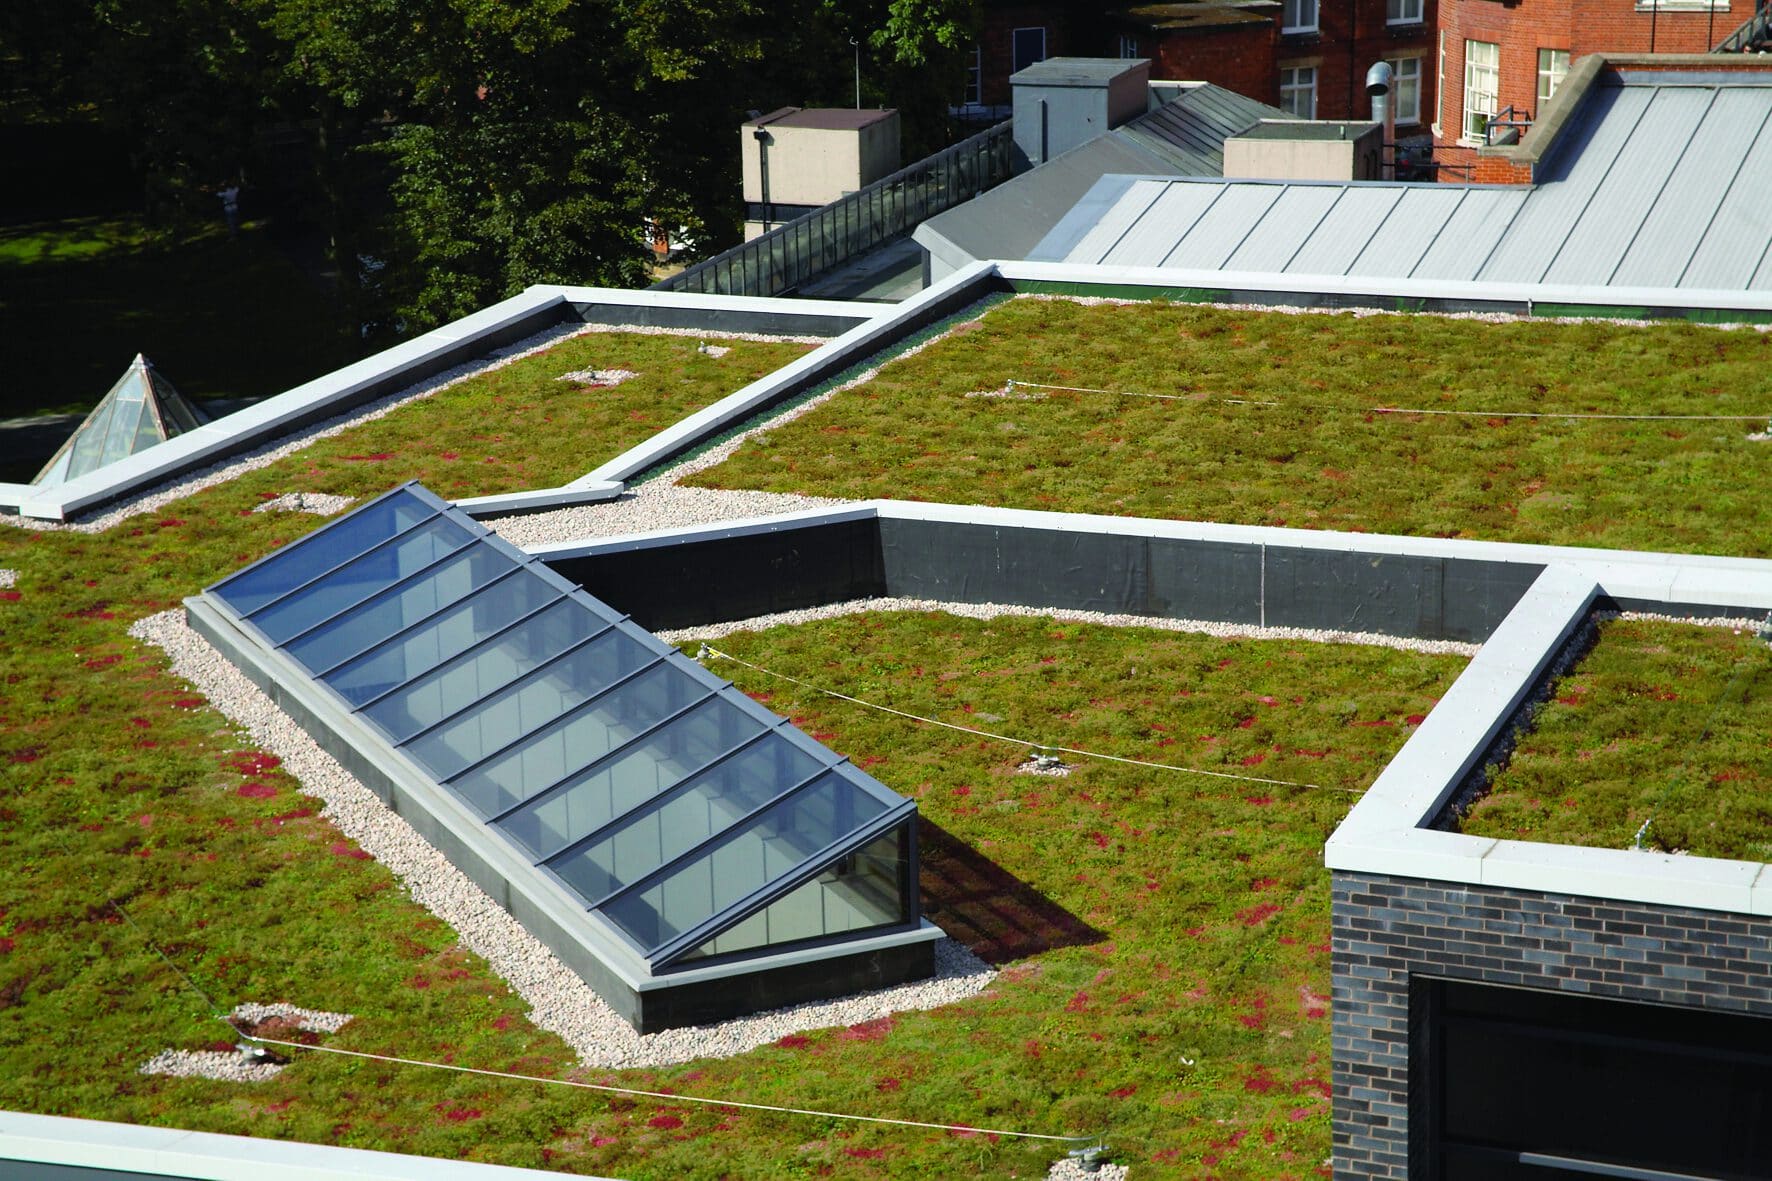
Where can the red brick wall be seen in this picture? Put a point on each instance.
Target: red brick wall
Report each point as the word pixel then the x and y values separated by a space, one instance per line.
pixel 1236 57
pixel 997 42
pixel 1524 27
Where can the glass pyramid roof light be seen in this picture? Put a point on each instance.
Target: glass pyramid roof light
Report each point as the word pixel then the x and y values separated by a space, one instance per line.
pixel 141 410
pixel 691 854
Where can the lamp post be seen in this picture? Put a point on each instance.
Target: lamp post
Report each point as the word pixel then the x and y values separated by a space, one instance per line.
pixel 857 45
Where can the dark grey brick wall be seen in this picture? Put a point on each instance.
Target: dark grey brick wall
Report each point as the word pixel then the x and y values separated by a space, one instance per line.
pixel 1389 928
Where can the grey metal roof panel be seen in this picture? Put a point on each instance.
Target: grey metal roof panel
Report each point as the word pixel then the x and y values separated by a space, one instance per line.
pixel 1630 189
pixel 1189 131
pixel 1347 231
pixel 1686 206
pixel 1725 258
pixel 1216 232
pixel 1175 208
pixel 1526 249
pixel 1101 219
pixel 1291 222
pixel 1468 235
pixel 1010 220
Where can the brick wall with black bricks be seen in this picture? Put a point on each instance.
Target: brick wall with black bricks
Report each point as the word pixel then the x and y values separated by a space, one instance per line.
pixel 1386 929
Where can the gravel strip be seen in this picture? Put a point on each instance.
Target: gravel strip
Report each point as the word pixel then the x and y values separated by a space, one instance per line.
pixel 1733 622
pixel 988 611
pixel 155 498
pixel 225 1066
pixel 1070 1169
pixel 559 1001
pixel 322 504
pixel 598 378
pixel 656 504
pixel 312 1020
pixel 8 578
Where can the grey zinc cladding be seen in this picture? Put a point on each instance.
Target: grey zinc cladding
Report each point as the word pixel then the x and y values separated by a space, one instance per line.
pixel 694 824
pixel 1653 182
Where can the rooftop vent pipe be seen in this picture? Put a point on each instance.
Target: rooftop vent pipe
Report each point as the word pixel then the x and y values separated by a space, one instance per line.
pixel 1378 85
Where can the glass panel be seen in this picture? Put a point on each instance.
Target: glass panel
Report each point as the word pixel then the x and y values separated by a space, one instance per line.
pixel 578 739
pixel 147 432
pixel 360 578
pixel 478 674
pixel 396 609
pixel 319 551
pixel 607 790
pixel 89 444
pixel 443 638
pixel 864 889
pixel 712 802
pixel 131 407
pixel 762 851
pixel 530 704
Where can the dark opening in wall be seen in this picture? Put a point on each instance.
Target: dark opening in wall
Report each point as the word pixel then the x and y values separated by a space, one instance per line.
pixel 1520 1083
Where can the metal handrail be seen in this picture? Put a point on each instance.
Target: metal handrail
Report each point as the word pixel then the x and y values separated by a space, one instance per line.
pixel 790 254
pixel 1753 30
pixel 1509 117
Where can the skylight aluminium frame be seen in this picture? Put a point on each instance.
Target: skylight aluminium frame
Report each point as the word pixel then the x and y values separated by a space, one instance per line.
pixel 648 730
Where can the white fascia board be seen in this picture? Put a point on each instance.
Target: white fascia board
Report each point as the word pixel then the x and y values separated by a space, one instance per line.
pixel 1460 729
pixel 264 420
pixel 1382 286
pixel 209 1156
pixel 555 551
pixel 853 345
pixel 699 301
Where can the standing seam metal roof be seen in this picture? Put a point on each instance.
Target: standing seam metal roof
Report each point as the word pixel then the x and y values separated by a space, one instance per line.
pixel 1655 184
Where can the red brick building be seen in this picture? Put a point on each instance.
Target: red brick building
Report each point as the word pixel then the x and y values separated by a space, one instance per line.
pixel 1306 56
pixel 1507 58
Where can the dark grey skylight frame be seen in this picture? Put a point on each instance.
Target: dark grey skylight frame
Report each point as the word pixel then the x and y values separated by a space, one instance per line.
pixel 647 820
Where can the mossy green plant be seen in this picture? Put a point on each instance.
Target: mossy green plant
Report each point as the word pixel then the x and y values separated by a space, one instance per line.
pixel 1267 418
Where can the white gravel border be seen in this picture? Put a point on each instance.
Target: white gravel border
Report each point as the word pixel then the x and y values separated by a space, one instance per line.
pixel 222 1066
pixel 321 504
pixel 989 611
pixel 312 1020
pixel 559 1001
pixel 8 578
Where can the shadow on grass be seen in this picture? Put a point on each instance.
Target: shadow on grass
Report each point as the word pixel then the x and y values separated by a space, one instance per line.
pixel 997 915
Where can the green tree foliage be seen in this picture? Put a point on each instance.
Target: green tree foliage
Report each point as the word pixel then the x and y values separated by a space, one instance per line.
pixel 478 146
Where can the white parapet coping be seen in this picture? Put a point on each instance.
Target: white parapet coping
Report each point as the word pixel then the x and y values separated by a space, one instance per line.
pixel 60 1144
pixel 1388 831
pixel 887 325
pixel 1381 287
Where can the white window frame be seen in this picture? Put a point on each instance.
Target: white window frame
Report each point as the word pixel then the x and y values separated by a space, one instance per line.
pixel 1683 5
pixel 1404 12
pixel 973 95
pixel 1298 16
pixel 1475 93
pixel 1129 46
pixel 1406 69
pixel 1296 80
pixel 1015 58
pixel 1553 67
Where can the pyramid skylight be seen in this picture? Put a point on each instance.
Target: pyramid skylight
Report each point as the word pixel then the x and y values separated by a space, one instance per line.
pixel 686 824
pixel 142 409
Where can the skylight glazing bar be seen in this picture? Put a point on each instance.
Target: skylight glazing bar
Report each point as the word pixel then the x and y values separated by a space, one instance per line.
pixel 403 583
pixel 609 756
pixel 706 844
pixel 731 916
pixel 432 515
pixel 429 617
pixel 522 682
pixel 241 588
pixel 470 650
pixel 515 683
pixel 664 797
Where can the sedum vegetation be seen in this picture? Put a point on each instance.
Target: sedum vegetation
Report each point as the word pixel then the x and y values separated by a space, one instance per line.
pixel 1163 938
pixel 1659 722
pixel 1212 448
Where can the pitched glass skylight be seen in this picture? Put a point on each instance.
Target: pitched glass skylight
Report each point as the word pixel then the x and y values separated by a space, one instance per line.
pixel 142 409
pixel 694 823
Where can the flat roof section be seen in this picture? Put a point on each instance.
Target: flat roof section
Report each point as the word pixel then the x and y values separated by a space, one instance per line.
pixel 627 794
